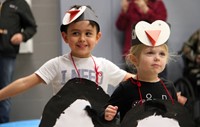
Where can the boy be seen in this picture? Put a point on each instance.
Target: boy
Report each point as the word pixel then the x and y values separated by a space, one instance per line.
pixel 81 31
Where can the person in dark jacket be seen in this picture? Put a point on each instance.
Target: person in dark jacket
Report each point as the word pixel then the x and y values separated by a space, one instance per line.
pixel 17 25
pixel 191 56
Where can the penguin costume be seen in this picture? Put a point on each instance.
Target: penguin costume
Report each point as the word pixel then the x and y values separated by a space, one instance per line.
pixel 77 104
pixel 158 113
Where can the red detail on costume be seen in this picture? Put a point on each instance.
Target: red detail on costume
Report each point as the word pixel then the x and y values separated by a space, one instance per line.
pixel 73 13
pixel 153 35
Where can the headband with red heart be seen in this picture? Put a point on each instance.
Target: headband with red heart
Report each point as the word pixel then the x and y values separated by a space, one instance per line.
pixel 154 34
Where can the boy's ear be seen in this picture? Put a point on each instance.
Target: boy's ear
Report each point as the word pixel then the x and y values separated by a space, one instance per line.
pixel 98 36
pixel 64 36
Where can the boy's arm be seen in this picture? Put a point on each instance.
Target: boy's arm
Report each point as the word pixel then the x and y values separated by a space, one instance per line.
pixel 19 86
pixel 128 75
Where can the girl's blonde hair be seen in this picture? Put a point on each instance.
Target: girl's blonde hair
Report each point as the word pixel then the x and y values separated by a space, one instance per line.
pixel 136 50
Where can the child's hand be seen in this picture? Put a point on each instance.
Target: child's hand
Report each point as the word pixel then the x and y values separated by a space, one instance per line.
pixel 110 112
pixel 181 99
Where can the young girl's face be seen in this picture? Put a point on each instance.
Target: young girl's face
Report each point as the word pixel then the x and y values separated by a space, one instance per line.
pixel 82 37
pixel 152 60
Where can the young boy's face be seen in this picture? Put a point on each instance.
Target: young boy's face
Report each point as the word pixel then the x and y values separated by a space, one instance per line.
pixel 82 37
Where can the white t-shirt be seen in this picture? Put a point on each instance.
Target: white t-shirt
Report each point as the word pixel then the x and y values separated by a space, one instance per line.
pixel 59 70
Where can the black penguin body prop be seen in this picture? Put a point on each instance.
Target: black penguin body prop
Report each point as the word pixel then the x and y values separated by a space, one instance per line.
pixel 76 104
pixel 157 113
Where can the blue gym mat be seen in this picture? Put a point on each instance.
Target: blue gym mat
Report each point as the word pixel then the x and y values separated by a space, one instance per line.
pixel 25 123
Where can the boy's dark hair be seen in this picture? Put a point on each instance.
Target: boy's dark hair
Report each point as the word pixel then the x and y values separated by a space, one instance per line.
pixel 63 28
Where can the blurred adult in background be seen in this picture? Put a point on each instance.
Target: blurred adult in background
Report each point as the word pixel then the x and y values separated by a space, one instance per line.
pixel 191 57
pixel 17 25
pixel 133 11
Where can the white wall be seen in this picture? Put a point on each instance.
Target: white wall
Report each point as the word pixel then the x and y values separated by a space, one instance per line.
pixel 184 17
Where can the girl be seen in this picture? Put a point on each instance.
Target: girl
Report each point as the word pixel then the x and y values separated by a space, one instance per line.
pixel 149 56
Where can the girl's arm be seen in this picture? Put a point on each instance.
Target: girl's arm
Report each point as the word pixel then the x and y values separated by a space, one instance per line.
pixel 181 99
pixel 110 112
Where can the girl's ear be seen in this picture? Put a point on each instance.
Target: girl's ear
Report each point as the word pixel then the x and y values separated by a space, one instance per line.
pixel 64 36
pixel 134 59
